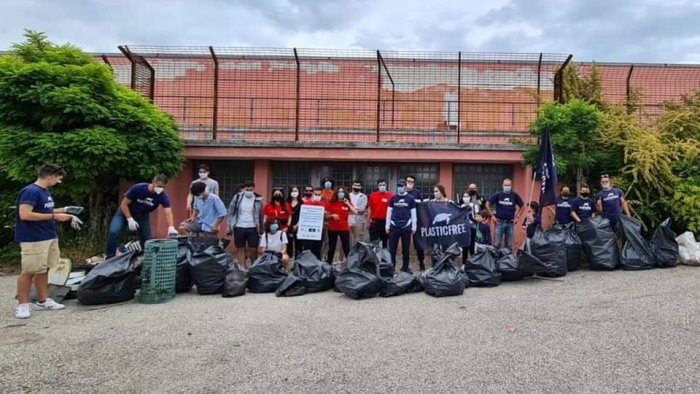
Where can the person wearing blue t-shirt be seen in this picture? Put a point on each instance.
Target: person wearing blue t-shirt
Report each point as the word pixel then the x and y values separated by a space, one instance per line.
pixel 504 203
pixel 583 207
pixel 611 201
pixel 563 206
pixel 401 223
pixel 532 220
pixel 35 232
pixel 134 210
pixel 482 230
pixel 418 197
pixel 207 214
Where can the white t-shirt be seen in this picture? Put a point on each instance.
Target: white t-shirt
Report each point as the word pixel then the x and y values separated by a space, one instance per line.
pixel 359 201
pixel 246 213
pixel 274 241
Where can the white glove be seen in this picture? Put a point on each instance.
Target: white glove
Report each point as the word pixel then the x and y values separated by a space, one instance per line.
pixel 75 223
pixel 73 210
pixel 133 225
pixel 172 231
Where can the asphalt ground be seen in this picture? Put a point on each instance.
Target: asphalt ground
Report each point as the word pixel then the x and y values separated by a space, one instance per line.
pixel 589 332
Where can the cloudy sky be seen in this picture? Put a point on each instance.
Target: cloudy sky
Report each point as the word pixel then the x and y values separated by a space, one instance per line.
pixel 666 31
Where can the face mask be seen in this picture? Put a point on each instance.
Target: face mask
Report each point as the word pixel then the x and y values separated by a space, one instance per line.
pixel 317 198
pixel 437 194
pixel 606 186
pixel 356 189
pixel 506 189
pixel 565 194
pixel 203 175
pixel 465 199
pixel 585 195
pixel 294 194
pixel 158 190
pixel 409 187
pixel 308 194
pixel 382 188
pixel 401 190
pixel 199 197
pixel 274 227
pixel 472 192
pixel 248 194
pixel 341 195
pixel 277 197
pixel 327 185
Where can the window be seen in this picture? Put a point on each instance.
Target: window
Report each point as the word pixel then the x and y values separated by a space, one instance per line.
pixel 342 174
pixel 370 174
pixel 229 173
pixel 427 175
pixel 286 174
pixel 488 177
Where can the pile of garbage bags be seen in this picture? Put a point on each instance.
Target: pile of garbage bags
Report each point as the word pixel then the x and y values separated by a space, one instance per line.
pixel 637 253
pixel 549 246
pixel 444 278
pixel 481 268
pixel 111 281
pixel 599 243
pixel 310 275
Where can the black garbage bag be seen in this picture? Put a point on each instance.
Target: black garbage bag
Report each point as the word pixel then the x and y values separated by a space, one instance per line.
pixel 401 283
pixel 235 281
pixel 664 245
pixel 209 267
pixel 292 286
pixel 183 276
pixel 574 247
pixel 549 247
pixel 509 266
pixel 363 256
pixel 315 275
pixel 386 268
pixel 482 268
pixel 599 243
pixel 358 284
pixel 337 269
pixel 444 278
pixel 267 273
pixel 636 252
pixel 113 280
pixel 529 263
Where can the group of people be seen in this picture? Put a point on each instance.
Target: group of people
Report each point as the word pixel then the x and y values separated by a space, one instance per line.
pixel 257 226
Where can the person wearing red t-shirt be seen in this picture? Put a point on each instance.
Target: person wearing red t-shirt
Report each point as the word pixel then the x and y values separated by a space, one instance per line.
pixel 339 208
pixel 278 209
pixel 307 244
pixel 376 207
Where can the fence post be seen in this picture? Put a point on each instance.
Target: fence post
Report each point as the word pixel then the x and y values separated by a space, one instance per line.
pixel 298 96
pixel 379 90
pixel 459 95
pixel 628 88
pixel 559 81
pixel 215 112
pixel 539 80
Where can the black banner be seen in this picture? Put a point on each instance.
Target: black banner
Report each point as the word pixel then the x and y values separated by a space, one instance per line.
pixel 442 224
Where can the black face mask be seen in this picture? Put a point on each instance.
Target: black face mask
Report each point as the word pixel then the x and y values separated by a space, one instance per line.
pixel 472 192
pixel 565 194
pixel 585 195
pixel 308 194
pixel 277 197
pixel 356 189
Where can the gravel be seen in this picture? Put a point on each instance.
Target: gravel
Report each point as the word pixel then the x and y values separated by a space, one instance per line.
pixel 590 332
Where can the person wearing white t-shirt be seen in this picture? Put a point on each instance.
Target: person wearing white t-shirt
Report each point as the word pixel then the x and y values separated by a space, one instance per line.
pixel 357 220
pixel 274 240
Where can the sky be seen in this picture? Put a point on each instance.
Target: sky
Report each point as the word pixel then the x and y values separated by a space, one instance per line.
pixel 639 31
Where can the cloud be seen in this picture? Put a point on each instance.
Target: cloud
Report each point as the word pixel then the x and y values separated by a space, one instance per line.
pixel 623 30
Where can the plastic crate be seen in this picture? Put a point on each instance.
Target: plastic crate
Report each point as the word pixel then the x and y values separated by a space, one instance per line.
pixel 158 271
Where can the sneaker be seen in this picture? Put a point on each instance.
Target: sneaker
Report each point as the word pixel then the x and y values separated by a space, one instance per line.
pixel 22 311
pixel 49 304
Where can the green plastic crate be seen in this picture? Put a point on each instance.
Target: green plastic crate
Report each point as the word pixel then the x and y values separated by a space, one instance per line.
pixel 158 271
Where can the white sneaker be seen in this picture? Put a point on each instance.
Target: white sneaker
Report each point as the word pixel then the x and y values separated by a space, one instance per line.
pixel 22 311
pixel 49 304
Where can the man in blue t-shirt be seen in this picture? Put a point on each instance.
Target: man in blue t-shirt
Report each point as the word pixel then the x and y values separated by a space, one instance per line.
pixel 611 201
pixel 401 223
pixel 583 207
pixel 504 203
pixel 35 232
pixel 208 213
pixel 134 210
pixel 563 206
pixel 418 197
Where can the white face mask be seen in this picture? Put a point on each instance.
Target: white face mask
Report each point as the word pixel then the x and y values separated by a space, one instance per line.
pixel 158 190
pixel 294 194
pixel 248 194
pixel 465 199
pixel 317 198
pixel 437 194
pixel 203 175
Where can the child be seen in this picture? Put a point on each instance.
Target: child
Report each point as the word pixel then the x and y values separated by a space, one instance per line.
pixel 274 240
pixel 532 220
pixel 483 230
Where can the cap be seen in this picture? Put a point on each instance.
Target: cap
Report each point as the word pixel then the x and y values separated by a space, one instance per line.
pixel 401 182
pixel 604 176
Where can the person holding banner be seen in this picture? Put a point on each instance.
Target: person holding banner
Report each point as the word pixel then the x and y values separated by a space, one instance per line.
pixel 439 195
pixel 474 202
pixel 532 220
pixel 377 207
pixel 401 223
pixel 339 209
pixel 504 204
pixel 418 197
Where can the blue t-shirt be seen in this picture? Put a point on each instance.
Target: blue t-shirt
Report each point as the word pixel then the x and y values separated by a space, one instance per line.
pixel 505 203
pixel 416 195
pixel 401 207
pixel 563 209
pixel 612 202
pixel 209 211
pixel 584 207
pixel 482 234
pixel 41 201
pixel 530 227
pixel 143 201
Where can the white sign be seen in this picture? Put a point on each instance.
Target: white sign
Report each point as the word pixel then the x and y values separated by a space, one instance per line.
pixel 310 225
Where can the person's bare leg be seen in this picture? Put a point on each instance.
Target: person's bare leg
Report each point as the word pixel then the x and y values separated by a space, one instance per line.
pixel 24 281
pixel 285 262
pixel 41 282
pixel 253 254
pixel 240 254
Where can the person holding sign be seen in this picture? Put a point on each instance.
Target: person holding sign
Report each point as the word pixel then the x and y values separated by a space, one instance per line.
pixel 401 223
pixel 311 220
pixel 339 208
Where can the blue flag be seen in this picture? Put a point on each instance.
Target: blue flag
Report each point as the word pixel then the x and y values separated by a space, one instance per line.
pixel 547 170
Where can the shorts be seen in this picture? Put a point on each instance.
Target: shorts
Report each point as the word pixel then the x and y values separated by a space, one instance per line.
pixel 243 237
pixel 192 227
pixel 38 257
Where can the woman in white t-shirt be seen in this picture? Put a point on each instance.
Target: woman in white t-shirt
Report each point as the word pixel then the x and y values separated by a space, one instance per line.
pixel 274 240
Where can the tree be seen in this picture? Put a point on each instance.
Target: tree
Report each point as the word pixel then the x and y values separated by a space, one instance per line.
pixel 59 105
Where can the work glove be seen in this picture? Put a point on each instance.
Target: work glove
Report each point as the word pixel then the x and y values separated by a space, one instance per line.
pixel 172 231
pixel 75 223
pixel 73 210
pixel 133 225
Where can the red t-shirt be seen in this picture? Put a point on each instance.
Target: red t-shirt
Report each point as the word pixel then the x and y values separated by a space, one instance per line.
pixel 379 203
pixel 338 208
pixel 327 194
pixel 282 212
